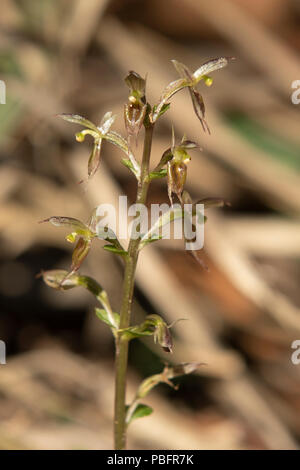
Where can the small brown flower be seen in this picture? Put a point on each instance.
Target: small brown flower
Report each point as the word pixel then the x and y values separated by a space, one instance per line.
pixel 190 80
pixel 135 109
pixel 176 166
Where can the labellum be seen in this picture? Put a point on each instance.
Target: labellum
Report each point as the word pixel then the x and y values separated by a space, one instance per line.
pixel 176 167
pixel 177 172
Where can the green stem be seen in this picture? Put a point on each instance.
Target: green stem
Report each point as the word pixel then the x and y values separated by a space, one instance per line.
pixel 128 288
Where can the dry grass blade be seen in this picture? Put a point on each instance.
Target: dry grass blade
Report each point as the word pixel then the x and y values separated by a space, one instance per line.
pixel 78 33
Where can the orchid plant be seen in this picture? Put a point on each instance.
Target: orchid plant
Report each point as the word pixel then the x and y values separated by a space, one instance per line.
pixel 138 114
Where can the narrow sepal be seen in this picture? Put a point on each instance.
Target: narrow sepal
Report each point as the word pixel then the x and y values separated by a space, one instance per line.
pixel 77 119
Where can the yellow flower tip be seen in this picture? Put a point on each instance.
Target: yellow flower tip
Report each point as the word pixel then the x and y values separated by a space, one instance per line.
pixel 207 80
pixel 80 136
pixel 71 237
pixel 187 159
pixel 132 99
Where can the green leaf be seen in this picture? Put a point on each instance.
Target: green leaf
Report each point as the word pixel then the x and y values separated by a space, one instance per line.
pixel 111 318
pixel 147 328
pixel 115 250
pixel 103 316
pixel 166 218
pixel 149 240
pixel 137 331
pixel 157 174
pixel 164 108
pixel 90 284
pixel 126 162
pixel 140 411
pixel 107 234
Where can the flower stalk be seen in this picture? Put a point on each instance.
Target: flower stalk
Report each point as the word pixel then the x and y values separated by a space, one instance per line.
pixel 138 114
pixel 128 287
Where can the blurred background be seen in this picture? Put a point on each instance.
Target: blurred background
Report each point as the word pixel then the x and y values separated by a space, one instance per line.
pixel 56 390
